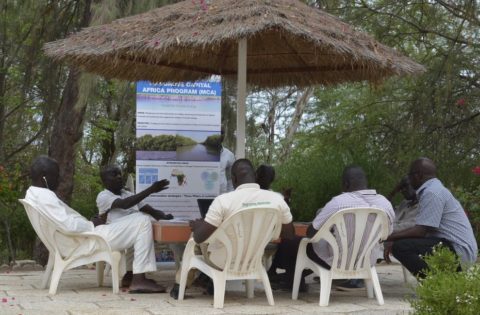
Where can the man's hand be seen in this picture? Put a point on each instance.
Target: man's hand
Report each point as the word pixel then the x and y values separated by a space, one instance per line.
pixel 160 215
pixel 387 251
pixel 160 185
pixel 194 224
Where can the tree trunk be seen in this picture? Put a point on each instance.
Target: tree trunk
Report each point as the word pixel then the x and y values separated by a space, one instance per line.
pixel 12 257
pixel 67 131
pixel 68 125
pixel 302 100
pixel 3 72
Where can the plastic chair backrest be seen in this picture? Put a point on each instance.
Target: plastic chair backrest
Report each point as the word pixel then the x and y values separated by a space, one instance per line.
pixel 354 231
pixel 44 227
pixel 245 235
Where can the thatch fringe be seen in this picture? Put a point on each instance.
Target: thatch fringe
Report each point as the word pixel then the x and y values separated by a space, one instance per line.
pixel 289 43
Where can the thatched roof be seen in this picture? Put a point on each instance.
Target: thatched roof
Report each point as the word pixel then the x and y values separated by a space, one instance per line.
pixel 289 43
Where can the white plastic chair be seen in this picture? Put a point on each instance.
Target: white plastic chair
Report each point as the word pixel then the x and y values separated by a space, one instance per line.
pixel 244 235
pixel 356 263
pixel 57 263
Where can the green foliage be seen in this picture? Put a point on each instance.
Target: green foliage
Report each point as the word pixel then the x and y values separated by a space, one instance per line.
pixel 314 172
pixel 212 141
pixel 156 143
pixel 87 186
pixel 445 291
pixel 15 229
pixel 184 141
pixel 383 127
pixel 163 142
pixel 313 179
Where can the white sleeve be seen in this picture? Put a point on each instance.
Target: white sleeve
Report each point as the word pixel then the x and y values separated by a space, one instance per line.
pixel 215 213
pixel 77 223
pixel 285 210
pixel 105 200
pixel 65 217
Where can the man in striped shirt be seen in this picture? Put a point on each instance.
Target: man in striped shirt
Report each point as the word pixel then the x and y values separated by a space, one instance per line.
pixel 440 219
pixel 355 195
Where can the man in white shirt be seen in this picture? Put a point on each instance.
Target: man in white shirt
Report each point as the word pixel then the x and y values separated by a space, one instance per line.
pixel 227 158
pixel 116 202
pixel 246 193
pixel 134 231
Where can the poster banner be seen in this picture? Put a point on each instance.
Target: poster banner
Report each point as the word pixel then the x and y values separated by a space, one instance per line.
pixel 178 134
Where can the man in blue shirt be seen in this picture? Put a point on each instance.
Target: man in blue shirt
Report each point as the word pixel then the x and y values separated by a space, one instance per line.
pixel 440 219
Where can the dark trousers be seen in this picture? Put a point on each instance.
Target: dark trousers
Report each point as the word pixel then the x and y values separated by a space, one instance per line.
pixel 409 250
pixel 286 258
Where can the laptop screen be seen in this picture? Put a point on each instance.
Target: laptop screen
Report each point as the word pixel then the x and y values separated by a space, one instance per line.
pixel 203 205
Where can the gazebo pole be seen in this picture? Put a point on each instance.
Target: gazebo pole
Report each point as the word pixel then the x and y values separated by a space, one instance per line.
pixel 241 97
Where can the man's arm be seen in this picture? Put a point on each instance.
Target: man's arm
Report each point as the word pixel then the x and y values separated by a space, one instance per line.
pixel 67 219
pixel 323 214
pixel 417 231
pixel 155 213
pixel 131 201
pixel 311 231
pixel 201 230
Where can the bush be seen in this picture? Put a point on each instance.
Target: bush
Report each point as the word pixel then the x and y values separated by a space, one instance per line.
pixel 445 291
pixel 16 234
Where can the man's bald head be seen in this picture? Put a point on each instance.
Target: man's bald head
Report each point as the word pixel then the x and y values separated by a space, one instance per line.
pixel 44 172
pixel 421 170
pixel 354 178
pixel 242 172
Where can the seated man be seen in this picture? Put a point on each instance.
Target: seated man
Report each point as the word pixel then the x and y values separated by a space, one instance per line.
pixel 116 202
pixel 134 231
pixel 406 211
pixel 265 175
pixel 246 192
pixel 355 195
pixel 440 219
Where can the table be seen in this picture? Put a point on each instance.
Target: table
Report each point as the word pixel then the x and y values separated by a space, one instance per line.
pixel 180 232
pixel 177 234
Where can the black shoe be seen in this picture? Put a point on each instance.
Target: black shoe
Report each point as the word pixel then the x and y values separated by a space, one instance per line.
pixel 288 287
pixel 280 286
pixel 209 288
pixel 351 285
pixel 174 291
pixel 277 277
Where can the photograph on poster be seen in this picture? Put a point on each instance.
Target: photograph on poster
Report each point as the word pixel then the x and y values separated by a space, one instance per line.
pixel 198 146
pixel 156 145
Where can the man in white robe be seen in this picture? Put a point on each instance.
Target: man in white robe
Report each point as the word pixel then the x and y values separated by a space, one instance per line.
pixel 132 231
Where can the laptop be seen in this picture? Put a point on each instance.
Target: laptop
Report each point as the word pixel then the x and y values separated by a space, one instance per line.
pixel 203 205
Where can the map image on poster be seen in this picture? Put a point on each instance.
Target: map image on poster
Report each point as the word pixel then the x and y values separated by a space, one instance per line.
pixel 178 138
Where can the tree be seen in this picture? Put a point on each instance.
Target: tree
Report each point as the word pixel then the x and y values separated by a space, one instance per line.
pixel 384 127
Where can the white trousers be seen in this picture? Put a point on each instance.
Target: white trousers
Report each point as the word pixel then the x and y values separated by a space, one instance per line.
pixel 134 230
